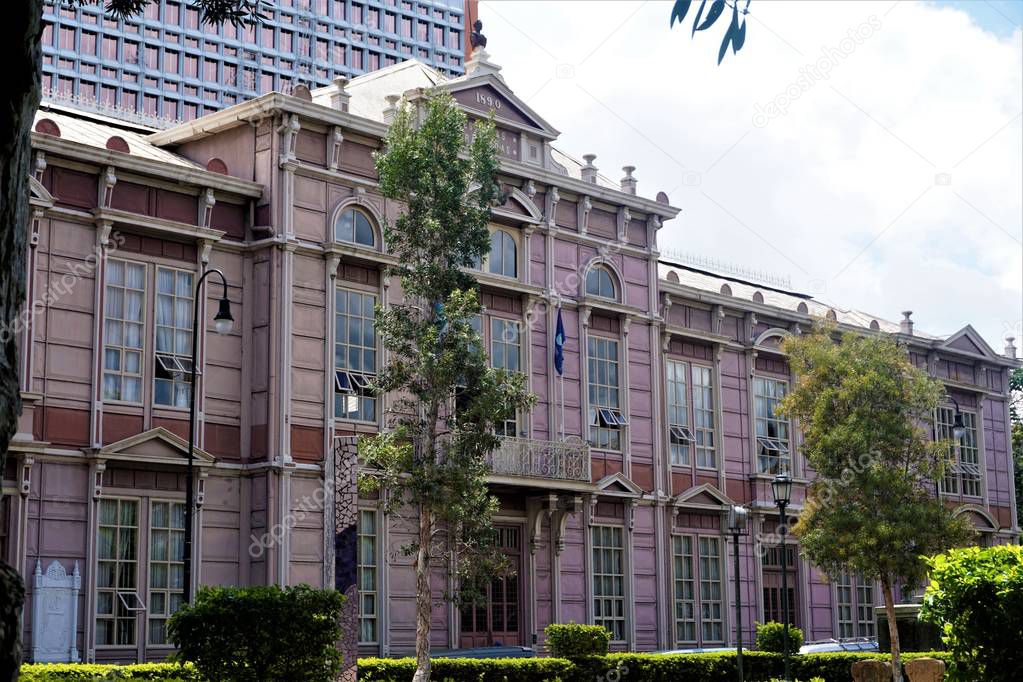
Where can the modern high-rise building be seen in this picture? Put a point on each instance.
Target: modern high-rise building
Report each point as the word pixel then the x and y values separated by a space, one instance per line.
pixel 167 66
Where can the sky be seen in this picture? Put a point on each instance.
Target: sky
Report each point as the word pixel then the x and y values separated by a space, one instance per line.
pixel 872 152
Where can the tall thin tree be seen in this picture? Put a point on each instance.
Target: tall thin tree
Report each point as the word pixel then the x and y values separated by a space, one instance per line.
pixel 433 464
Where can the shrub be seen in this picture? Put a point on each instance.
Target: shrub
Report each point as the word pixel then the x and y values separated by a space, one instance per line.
pixel 571 640
pixel 91 672
pixel 466 669
pixel 261 634
pixel 771 637
pixel 976 597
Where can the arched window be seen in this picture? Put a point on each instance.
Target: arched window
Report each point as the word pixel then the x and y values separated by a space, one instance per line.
pixel 353 225
pixel 600 283
pixel 502 257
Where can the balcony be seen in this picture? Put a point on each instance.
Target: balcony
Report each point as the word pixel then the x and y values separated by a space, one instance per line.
pixel 567 460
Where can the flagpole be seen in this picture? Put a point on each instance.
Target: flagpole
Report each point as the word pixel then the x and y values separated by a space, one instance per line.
pixel 562 377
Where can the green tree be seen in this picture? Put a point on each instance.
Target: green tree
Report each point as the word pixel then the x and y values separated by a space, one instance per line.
pixel 976 597
pixel 872 508
pixel 21 55
pixel 434 461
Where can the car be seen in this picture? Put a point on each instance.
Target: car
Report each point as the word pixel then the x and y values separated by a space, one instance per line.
pixel 828 646
pixel 699 650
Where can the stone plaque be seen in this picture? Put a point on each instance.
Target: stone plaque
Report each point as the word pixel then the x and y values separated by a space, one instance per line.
pixel 55 614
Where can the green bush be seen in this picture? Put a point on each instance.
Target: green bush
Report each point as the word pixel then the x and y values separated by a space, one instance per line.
pixel 261 634
pixel 571 640
pixel 710 667
pixel 771 637
pixel 976 597
pixel 466 669
pixel 91 672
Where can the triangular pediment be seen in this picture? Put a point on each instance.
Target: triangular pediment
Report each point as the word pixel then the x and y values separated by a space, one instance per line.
pixel 618 484
pixel 155 446
pixel 969 341
pixel 488 93
pixel 703 496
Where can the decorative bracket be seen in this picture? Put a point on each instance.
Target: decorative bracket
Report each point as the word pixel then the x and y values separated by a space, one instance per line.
pixel 552 207
pixel 109 180
pixel 205 248
pixel 337 139
pixel 97 480
pixel 559 521
pixel 631 511
pixel 543 507
pixel 40 165
pixel 624 218
pixel 584 315
pixel 585 206
pixel 530 189
pixel 206 203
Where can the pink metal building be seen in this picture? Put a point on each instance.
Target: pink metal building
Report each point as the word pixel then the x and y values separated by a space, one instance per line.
pixel 611 497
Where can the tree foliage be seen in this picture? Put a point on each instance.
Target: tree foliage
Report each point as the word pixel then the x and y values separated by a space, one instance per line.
pixel 1016 419
pixel 866 414
pixel 210 11
pixel 771 637
pixel 735 34
pixel 434 460
pixel 234 634
pixel 976 597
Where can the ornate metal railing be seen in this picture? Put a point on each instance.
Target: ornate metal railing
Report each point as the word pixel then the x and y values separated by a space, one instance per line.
pixel 562 460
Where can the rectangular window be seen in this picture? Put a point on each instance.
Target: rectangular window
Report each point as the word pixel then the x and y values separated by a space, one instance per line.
pixel 505 351
pixel 173 364
pixel 355 356
pixel 166 566
pixel 703 417
pixel 962 471
pixel 773 443
pixel 605 416
pixel 117 599
pixel 124 311
pixel 367 576
pixel 680 435
pixel 609 580
pixel 685 589
pixel 855 601
pixel 772 580
pixel 711 599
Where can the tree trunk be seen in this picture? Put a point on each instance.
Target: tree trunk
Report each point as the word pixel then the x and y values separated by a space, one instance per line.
pixel 21 56
pixel 893 630
pixel 424 597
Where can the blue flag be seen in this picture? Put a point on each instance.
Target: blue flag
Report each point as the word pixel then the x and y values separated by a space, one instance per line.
pixel 559 346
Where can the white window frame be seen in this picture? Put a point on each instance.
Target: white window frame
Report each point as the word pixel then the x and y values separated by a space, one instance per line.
pixel 357 210
pixel 854 613
pixel 166 591
pixel 686 613
pixel 778 445
pixel 712 608
pixel 364 568
pixel 178 362
pixel 122 349
pixel 119 597
pixel 705 426
pixel 510 426
pixel 505 237
pixel 605 416
pixel 353 383
pixel 963 467
pixel 616 599
pixel 681 438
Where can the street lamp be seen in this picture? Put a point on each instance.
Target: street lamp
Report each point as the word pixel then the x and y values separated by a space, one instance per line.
pixel 222 323
pixel 781 486
pixel 958 426
pixel 737 520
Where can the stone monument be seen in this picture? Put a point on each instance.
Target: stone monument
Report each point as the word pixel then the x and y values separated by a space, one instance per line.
pixel 55 614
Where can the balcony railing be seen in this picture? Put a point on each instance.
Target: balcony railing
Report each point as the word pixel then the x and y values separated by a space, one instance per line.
pixel 567 460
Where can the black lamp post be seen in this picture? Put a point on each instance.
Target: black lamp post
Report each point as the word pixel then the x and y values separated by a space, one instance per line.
pixel 958 426
pixel 781 486
pixel 222 322
pixel 737 520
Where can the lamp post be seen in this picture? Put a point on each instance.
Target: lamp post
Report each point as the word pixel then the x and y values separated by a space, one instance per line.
pixel 222 322
pixel 781 486
pixel 737 520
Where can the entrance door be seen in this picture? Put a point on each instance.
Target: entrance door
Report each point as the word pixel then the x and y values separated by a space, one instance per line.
pixel 494 621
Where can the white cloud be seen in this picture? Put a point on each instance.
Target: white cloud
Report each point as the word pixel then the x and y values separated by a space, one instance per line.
pixel 840 192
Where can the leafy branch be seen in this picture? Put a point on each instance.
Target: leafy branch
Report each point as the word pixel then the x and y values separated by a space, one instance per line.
pixel 735 35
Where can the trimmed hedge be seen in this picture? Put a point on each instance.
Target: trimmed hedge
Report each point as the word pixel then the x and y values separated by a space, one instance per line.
pixel 758 666
pixel 93 672
pixel 467 669
pixel 571 640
